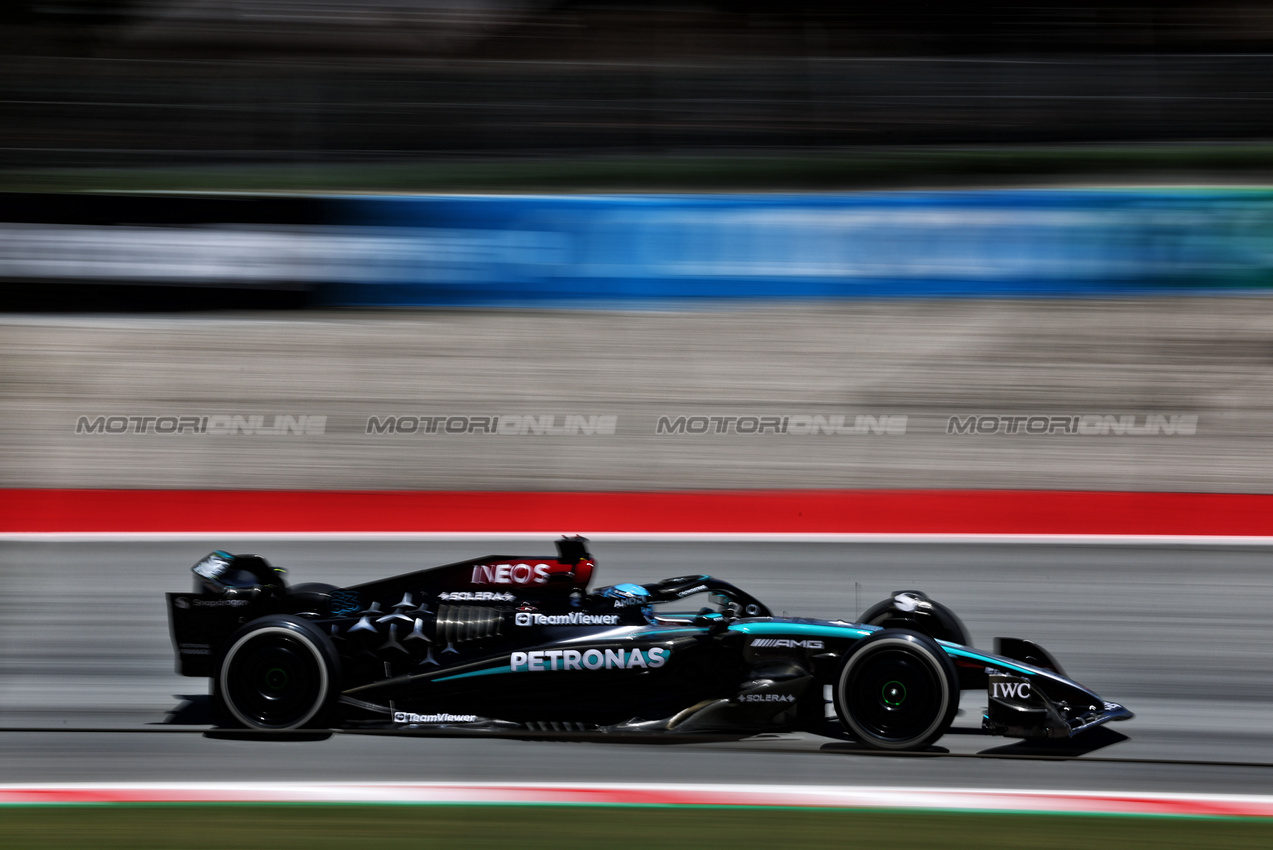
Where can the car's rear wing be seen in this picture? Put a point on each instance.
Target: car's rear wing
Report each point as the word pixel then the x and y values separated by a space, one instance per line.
pixel 200 623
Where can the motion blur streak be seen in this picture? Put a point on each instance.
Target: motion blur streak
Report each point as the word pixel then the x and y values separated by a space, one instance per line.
pixel 634 250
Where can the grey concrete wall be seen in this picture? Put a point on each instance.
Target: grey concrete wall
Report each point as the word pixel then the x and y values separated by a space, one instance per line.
pixel 927 361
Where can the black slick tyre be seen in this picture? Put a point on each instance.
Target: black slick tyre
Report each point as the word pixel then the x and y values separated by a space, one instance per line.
pixel 897 690
pixel 277 673
pixel 930 617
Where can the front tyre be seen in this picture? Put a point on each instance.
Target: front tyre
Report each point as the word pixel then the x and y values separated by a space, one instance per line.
pixel 920 614
pixel 277 673
pixel 897 690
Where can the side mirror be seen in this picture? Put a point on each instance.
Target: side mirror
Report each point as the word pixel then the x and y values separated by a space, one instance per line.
pixel 714 623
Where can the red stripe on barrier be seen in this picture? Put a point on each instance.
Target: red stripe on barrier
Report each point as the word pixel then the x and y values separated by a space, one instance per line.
pixel 707 512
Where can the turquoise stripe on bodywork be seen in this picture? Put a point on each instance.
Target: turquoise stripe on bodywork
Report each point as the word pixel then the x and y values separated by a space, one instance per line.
pixel 811 629
pixel 988 660
pixel 490 671
pixel 828 630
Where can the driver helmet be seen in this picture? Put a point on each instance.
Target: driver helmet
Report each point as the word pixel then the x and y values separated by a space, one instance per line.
pixel 629 595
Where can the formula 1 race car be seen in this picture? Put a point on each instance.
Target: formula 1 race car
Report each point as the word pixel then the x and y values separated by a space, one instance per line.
pixel 515 646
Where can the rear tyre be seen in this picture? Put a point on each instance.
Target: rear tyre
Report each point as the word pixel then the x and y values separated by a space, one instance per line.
pixel 277 673
pixel 897 690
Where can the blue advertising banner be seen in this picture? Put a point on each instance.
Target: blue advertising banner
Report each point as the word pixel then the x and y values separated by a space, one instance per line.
pixel 624 249
pixel 635 250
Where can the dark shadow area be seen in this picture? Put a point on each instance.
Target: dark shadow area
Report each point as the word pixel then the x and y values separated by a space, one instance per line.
pixel 1088 742
pixel 193 710
pixel 852 748
pixel 198 710
pixel 252 735
pixel 46 297
pixel 641 739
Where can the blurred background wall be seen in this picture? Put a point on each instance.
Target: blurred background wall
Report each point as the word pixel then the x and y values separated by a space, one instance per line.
pixel 1171 394
pixel 285 94
pixel 114 82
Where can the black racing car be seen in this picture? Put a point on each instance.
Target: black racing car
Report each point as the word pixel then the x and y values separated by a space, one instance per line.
pixel 516 645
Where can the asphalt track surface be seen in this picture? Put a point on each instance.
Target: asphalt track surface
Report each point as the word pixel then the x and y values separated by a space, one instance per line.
pixel 1178 634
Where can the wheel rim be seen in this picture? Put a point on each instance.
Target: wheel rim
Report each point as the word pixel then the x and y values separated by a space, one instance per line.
pixel 894 694
pixel 274 679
